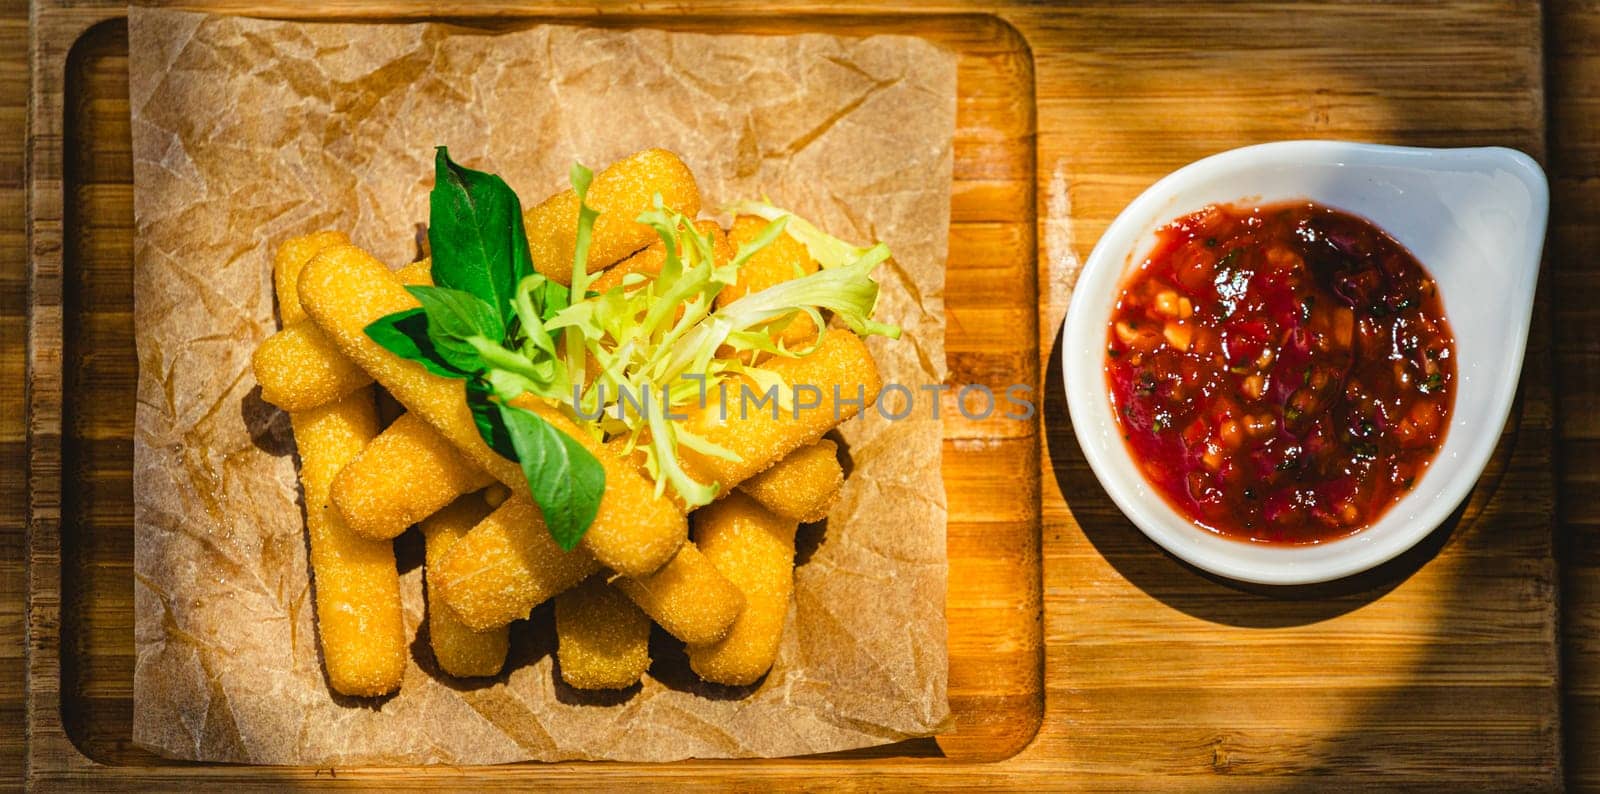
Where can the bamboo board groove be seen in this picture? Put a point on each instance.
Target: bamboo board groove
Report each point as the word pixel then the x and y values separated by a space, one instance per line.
pixel 1151 674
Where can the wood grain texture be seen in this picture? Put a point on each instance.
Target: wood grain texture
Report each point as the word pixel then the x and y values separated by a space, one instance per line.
pixel 13 437
pixel 1573 56
pixel 1153 674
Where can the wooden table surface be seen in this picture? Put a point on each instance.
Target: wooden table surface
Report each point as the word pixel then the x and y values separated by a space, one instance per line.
pixel 1572 277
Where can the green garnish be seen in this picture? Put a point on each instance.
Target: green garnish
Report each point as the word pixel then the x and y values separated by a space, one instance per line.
pixel 469 328
pixel 644 349
pixel 493 320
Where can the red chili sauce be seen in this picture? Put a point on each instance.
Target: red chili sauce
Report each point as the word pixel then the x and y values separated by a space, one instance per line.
pixel 1282 374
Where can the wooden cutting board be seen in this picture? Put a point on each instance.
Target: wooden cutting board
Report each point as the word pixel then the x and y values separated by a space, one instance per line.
pixel 1082 657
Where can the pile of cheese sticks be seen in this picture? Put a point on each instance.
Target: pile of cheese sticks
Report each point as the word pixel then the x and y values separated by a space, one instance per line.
pixel 489 559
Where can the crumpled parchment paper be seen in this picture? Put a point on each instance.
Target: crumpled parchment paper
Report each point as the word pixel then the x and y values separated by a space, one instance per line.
pixel 249 131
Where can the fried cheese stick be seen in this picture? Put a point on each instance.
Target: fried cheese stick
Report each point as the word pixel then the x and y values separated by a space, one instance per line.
pixel 602 639
pixel 344 289
pixel 754 549
pixel 491 579
pixel 406 474
pixel 505 566
pixel 620 193
pixel 845 379
pixel 688 597
pixel 298 367
pixel 802 486
pixel 359 618
pixel 783 259
pixel 458 649
pixel 293 255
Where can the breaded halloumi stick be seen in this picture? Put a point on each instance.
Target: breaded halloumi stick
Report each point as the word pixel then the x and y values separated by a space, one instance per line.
pixel 292 255
pixel 359 618
pixel 620 193
pixel 782 259
pixel 602 639
pixel 505 566
pixel 360 624
pixel 459 650
pixel 802 486
pixel 688 597
pixel 846 381
pixel 344 289
pixel 299 368
pixel 755 550
pixel 406 474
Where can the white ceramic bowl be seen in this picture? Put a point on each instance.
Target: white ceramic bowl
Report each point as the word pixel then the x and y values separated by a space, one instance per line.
pixel 1474 218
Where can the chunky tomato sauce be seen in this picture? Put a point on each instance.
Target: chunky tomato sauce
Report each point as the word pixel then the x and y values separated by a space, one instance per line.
pixel 1283 374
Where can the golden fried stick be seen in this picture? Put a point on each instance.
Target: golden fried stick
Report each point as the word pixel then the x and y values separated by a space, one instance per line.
pixel 459 650
pixel 359 618
pixel 783 259
pixel 602 639
pixel 292 255
pixel 755 550
pixel 650 261
pixel 298 368
pixel 801 487
pixel 688 597
pixel 845 380
pixel 406 474
pixel 505 566
pixel 620 193
pixel 344 289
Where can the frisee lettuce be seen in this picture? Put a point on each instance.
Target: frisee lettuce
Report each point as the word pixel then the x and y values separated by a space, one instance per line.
pixel 661 337
pixel 829 251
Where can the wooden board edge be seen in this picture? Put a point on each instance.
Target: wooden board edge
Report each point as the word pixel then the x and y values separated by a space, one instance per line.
pixel 52 758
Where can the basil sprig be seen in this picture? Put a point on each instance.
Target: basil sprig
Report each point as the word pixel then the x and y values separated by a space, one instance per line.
pixel 483 322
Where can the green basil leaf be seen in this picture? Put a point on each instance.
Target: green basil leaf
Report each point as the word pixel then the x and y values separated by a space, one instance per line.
pixel 486 415
pixel 564 476
pixel 476 235
pixel 405 334
pixel 455 318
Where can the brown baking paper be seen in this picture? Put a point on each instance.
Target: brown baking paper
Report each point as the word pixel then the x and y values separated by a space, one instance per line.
pixel 248 131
